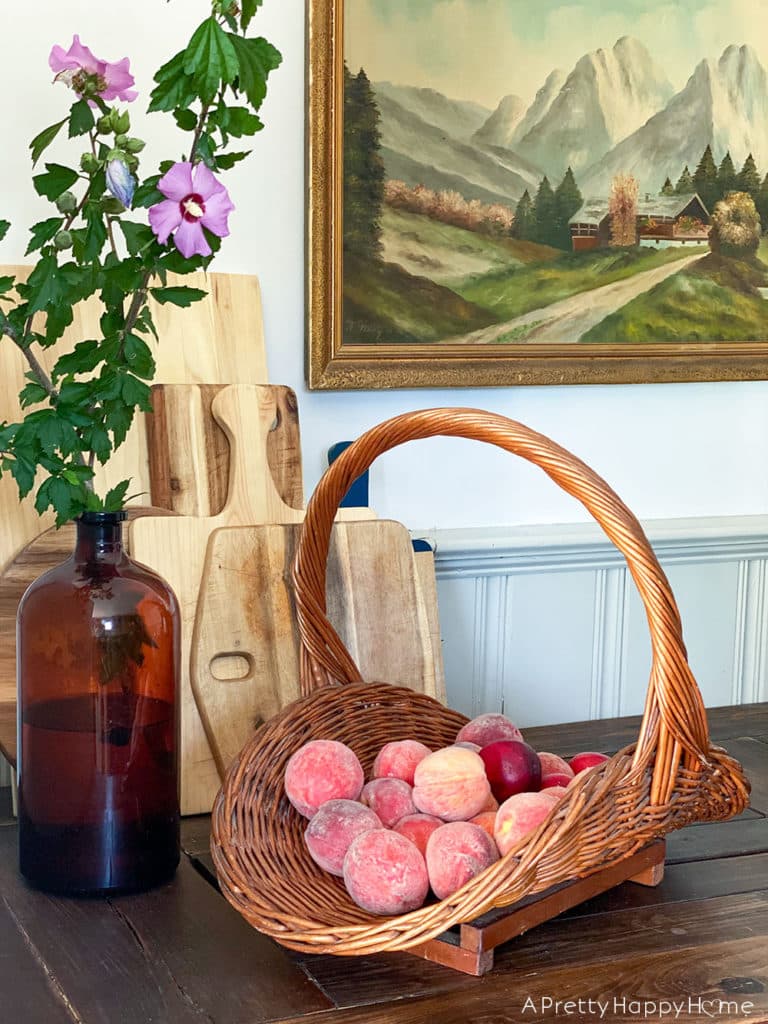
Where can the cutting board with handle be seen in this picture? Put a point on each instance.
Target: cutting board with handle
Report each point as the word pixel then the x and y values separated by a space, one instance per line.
pixel 176 547
pixel 217 340
pixel 189 451
pixel 245 648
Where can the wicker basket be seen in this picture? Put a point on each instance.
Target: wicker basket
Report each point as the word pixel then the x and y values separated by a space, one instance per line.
pixel 669 778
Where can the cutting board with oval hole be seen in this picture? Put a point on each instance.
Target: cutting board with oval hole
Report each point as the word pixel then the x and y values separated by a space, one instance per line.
pixel 245 648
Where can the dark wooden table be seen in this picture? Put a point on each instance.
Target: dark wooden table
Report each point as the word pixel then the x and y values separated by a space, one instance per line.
pixel 698 942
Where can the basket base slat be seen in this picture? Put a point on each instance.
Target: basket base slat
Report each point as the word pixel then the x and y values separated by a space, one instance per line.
pixel 471 948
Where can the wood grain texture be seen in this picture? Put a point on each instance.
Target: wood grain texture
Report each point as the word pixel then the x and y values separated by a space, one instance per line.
pixel 246 617
pixel 47 550
pixel 177 551
pixel 173 955
pixel 189 452
pixel 218 340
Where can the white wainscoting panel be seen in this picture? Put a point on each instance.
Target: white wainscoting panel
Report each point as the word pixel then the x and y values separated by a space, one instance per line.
pixel 546 621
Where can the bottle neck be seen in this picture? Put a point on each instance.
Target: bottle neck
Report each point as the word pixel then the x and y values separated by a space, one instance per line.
pixel 100 538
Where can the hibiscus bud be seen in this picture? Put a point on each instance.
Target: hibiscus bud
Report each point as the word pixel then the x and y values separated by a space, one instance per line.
pixel 120 181
pixel 66 203
pixel 89 163
pixel 63 240
pixel 104 125
pixel 121 122
pixel 134 145
pixel 112 206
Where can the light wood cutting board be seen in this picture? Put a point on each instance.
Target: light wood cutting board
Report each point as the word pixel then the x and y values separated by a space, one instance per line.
pixel 176 550
pixel 245 649
pixel 189 452
pixel 218 340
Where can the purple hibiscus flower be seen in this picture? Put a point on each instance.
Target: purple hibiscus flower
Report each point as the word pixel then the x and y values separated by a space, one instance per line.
pixel 195 199
pixel 78 60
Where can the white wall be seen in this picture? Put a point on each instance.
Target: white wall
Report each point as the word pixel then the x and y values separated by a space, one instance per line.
pixel 669 450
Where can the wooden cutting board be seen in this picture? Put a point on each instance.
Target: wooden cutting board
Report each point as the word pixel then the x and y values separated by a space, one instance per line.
pixel 218 340
pixel 189 451
pixel 176 550
pixel 47 550
pixel 245 648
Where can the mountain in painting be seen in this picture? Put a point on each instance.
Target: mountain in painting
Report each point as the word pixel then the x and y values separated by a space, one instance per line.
pixel 724 104
pixel 606 97
pixel 458 118
pixel 504 127
pixel 500 128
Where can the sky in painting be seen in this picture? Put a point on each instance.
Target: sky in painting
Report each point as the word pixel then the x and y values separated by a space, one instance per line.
pixel 482 50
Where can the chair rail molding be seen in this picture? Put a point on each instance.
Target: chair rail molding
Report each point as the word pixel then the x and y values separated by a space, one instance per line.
pixel 545 621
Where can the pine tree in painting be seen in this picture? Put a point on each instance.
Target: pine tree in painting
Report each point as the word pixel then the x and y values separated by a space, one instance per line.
pixel 684 184
pixel 568 200
pixel 762 203
pixel 705 180
pixel 668 189
pixel 545 215
pixel 749 178
pixel 363 168
pixel 726 176
pixel 524 226
pixel 622 208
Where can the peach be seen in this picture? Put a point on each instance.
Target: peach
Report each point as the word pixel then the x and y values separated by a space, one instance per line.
pixel 491 804
pixel 451 784
pixel 398 760
pixel 330 832
pixel 322 770
pixel 457 852
pixel 554 771
pixel 555 792
pixel 391 799
pixel 587 759
pixel 520 815
pixel 418 828
pixel 486 820
pixel 488 728
pixel 384 873
pixel 470 746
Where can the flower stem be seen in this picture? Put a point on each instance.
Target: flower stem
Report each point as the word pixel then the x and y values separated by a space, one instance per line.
pixel 199 131
pixel 23 343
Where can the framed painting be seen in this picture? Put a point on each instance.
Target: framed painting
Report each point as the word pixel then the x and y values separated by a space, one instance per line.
pixel 536 192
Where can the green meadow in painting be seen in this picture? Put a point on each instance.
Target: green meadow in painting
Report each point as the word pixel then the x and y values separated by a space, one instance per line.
pixel 555 172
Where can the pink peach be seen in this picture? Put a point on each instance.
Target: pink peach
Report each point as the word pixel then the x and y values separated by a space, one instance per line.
pixel 384 873
pixel 554 771
pixel 457 852
pixel 391 799
pixel 418 828
pixel 322 770
pixel 398 760
pixel 488 728
pixel 469 746
pixel 486 820
pixel 451 784
pixel 330 832
pixel 520 815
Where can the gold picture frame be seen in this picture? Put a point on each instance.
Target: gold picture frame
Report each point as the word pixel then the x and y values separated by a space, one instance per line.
pixel 332 363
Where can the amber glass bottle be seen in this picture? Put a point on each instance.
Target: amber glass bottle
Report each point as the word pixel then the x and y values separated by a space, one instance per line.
pixel 98 661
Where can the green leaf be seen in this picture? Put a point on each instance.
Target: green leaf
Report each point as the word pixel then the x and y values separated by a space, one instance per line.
pixel 228 160
pixel 138 356
pixel 43 232
pixel 56 180
pixel 80 119
pixel 118 419
pixel 256 58
pixel 247 10
pixel 115 498
pixel 6 284
pixel 84 358
pixel 44 286
pixel 186 120
pixel 23 472
pixel 240 121
pixel 97 440
pixel 32 394
pixel 138 237
pixel 136 393
pixel 148 194
pixel 178 296
pixel 41 142
pixel 57 493
pixel 58 319
pixel 95 233
pixel 174 87
pixel 210 59
pixel 4 226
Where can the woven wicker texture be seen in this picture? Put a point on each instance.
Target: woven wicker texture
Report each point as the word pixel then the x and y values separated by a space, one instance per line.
pixel 669 778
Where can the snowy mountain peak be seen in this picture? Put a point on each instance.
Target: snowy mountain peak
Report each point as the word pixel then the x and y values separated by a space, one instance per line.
pixel 499 129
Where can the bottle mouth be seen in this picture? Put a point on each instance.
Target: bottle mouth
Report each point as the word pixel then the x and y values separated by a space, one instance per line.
pixel 103 518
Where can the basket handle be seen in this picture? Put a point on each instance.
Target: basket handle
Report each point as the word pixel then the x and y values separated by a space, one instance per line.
pixel 674 724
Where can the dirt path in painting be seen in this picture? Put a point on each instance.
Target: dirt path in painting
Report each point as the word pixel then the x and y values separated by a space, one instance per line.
pixel 567 320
